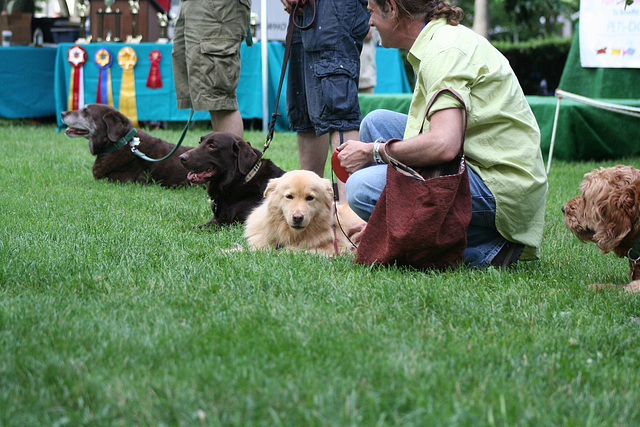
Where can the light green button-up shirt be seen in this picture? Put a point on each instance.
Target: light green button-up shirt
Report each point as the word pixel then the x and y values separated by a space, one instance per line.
pixel 503 139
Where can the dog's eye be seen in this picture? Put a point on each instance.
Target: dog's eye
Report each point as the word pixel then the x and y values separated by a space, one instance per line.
pixel 289 196
pixel 213 147
pixel 309 198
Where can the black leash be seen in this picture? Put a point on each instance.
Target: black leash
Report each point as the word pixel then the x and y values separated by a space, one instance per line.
pixel 334 184
pixel 285 60
pixel 135 141
pixel 131 139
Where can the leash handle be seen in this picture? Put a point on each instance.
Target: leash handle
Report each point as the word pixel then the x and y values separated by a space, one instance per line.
pixel 294 13
pixel 136 141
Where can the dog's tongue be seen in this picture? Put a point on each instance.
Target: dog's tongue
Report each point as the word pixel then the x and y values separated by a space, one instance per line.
pixel 201 176
pixel 75 132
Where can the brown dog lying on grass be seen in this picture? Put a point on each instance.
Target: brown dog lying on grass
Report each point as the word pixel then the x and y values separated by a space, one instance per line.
pixel 608 214
pixel 235 181
pixel 297 214
pixel 105 128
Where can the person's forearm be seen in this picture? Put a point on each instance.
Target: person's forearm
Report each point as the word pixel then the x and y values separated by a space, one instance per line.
pixel 441 144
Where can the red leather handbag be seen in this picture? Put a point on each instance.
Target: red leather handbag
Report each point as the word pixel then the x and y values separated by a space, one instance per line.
pixel 421 219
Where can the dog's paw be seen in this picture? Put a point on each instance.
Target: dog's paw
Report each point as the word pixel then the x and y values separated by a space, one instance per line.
pixel 228 251
pixel 237 248
pixel 632 287
pixel 603 286
pixel 206 224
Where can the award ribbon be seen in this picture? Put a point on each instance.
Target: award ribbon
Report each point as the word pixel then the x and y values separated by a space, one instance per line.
pixel 154 80
pixel 127 59
pixel 104 60
pixel 76 56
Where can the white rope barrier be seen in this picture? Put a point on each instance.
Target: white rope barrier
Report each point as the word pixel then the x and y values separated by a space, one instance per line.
pixel 623 109
pixel 616 108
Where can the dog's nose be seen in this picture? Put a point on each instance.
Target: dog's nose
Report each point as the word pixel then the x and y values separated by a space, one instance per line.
pixel 64 114
pixel 298 218
pixel 562 208
pixel 184 157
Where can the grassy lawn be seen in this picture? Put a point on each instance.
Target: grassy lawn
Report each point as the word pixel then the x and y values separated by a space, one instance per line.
pixel 115 311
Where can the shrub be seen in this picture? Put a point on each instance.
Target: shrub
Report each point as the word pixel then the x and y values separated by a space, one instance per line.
pixel 535 60
pixel 532 61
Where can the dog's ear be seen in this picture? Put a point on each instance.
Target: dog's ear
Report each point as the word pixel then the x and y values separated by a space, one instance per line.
pixel 246 155
pixel 117 125
pixel 618 214
pixel 273 183
pixel 328 190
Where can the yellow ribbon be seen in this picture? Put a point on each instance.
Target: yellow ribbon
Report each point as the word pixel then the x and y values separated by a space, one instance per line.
pixel 127 59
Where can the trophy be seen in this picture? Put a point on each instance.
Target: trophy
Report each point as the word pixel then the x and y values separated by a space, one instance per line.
pixel 82 8
pixel 254 24
pixel 135 10
pixel 108 11
pixel 117 35
pixel 163 19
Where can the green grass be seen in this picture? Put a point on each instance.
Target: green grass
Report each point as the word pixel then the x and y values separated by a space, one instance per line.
pixel 115 311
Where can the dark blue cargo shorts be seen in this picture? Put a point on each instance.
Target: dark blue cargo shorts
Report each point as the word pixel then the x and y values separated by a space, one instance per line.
pixel 324 67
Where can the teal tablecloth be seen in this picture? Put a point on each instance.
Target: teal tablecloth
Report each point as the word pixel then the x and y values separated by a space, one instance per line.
pixel 27 75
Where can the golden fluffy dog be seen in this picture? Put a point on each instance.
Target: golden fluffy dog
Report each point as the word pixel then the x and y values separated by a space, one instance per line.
pixel 608 214
pixel 296 214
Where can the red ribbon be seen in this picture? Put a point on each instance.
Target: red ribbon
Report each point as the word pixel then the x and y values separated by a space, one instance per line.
pixel 76 56
pixel 154 80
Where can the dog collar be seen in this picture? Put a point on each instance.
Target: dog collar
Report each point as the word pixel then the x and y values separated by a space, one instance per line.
pixel 253 171
pixel 122 142
pixel 634 253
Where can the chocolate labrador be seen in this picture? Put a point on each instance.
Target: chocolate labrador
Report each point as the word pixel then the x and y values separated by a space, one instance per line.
pixel 106 129
pixel 235 175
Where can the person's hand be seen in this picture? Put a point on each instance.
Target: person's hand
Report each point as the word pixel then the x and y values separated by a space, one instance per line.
pixel 355 233
pixel 288 4
pixel 355 155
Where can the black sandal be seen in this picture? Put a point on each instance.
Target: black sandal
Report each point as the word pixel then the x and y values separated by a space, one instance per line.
pixel 508 255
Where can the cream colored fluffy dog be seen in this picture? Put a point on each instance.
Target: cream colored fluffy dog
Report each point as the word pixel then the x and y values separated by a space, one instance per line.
pixel 608 214
pixel 297 214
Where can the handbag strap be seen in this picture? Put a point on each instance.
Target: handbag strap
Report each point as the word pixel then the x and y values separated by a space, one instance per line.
pixel 408 171
pixel 433 100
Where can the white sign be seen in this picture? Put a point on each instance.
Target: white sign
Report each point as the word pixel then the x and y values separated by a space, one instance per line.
pixel 609 34
pixel 277 20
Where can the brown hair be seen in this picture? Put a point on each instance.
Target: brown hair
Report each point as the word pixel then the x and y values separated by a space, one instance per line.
pixel 425 10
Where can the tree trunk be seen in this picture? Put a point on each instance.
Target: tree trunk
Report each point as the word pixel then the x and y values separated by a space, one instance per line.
pixel 481 17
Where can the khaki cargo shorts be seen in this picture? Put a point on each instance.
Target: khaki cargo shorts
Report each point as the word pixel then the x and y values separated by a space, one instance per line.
pixel 206 52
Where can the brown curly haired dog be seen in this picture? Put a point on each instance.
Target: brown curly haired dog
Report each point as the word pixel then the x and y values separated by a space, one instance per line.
pixel 608 214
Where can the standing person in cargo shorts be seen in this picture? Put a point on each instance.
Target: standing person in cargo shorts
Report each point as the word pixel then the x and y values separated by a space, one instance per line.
pixel 322 85
pixel 206 58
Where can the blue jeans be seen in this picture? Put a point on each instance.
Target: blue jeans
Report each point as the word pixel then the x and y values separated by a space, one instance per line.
pixel 365 186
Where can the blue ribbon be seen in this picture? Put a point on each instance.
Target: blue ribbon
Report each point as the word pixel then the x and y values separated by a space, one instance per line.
pixel 103 55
